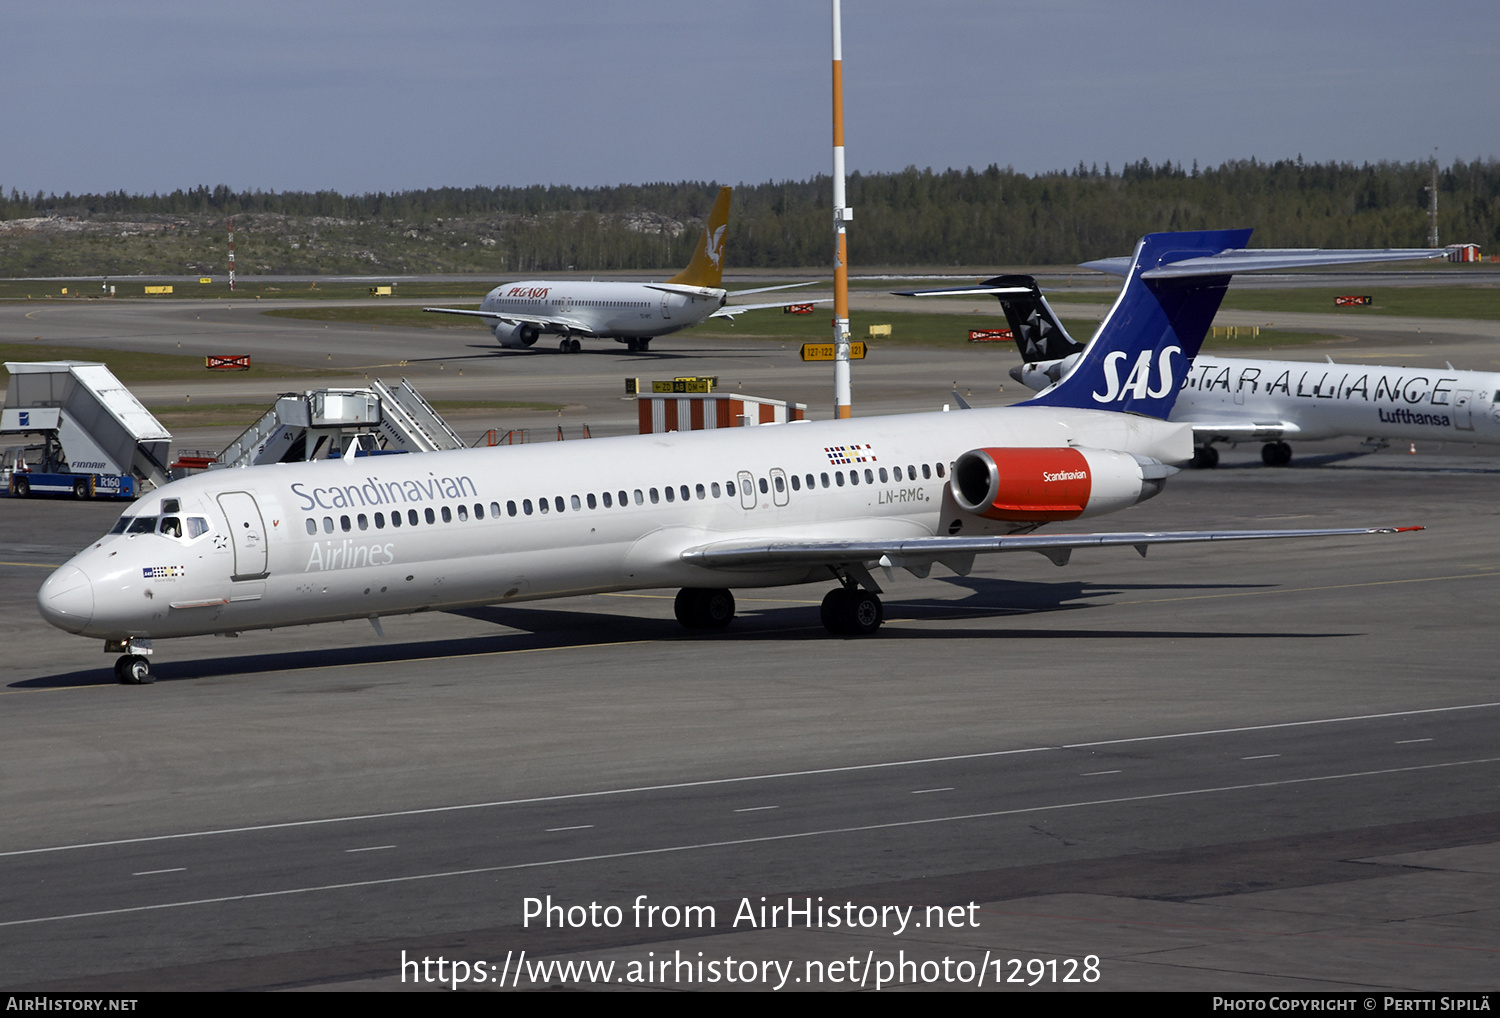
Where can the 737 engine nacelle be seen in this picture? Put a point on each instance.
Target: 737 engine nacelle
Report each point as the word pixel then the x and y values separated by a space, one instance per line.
pixel 515 335
pixel 1050 484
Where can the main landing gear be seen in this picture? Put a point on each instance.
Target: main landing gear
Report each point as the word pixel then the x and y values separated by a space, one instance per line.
pixel 133 670
pixel 850 611
pixel 1276 454
pixel 569 346
pixel 638 345
pixel 703 608
pixel 1205 457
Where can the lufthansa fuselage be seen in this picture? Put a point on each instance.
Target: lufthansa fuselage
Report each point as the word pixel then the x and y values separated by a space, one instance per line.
pixel 1327 400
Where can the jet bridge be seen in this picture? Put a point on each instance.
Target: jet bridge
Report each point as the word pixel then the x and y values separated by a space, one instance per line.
pixel 92 425
pixel 314 424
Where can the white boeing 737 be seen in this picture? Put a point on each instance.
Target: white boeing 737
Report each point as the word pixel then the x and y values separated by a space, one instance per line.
pixel 1237 399
pixel 705 511
pixel 631 313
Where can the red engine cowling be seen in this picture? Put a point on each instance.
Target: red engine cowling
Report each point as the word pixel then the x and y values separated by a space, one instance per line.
pixel 1049 484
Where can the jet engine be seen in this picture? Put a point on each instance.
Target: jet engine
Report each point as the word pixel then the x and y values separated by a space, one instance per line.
pixel 515 335
pixel 1048 484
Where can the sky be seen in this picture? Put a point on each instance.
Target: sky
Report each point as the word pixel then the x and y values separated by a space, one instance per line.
pixel 156 95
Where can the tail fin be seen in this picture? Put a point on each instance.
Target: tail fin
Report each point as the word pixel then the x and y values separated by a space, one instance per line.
pixel 1038 333
pixel 707 266
pixel 1153 331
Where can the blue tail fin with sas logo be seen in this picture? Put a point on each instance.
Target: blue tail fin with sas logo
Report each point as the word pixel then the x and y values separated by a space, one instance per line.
pixel 1141 353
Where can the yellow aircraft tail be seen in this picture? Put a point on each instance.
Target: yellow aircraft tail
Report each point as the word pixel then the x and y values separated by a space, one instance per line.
pixel 707 266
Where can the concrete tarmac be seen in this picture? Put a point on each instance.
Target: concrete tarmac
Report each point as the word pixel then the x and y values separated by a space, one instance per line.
pixel 1263 766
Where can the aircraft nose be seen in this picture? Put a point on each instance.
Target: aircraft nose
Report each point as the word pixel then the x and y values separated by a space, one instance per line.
pixel 67 599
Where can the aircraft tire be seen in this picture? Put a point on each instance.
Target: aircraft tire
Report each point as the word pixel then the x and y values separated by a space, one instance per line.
pixel 1276 454
pixel 633 345
pixel 1205 457
pixel 645 345
pixel 851 612
pixel 134 670
pixel 866 613
pixel 22 487
pixel 704 608
pixel 685 608
pixel 574 346
pixel 715 608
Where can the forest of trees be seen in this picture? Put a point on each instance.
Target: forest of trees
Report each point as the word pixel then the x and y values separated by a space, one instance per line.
pixel 993 216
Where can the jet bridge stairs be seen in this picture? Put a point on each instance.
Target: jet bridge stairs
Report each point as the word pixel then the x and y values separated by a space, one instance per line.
pixel 316 424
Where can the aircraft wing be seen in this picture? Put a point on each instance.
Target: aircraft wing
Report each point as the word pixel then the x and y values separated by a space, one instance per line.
pixel 1235 260
pixel 730 310
pixel 993 287
pixel 768 289
pixel 957 553
pixel 542 323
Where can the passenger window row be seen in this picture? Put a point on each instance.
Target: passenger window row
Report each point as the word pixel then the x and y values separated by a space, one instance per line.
pixel 610 500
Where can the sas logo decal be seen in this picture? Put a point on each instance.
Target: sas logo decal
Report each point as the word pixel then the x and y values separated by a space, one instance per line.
pixel 843 455
pixel 163 572
pixel 1138 384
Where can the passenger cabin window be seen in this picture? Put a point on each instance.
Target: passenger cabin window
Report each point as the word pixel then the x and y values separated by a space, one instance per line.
pixel 312 526
pixel 411 516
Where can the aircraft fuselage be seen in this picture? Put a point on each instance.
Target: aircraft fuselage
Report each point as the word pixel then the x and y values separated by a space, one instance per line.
pixel 299 543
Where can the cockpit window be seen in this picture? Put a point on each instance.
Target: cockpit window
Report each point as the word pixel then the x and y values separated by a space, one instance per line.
pixel 121 524
pixel 197 526
pixel 171 505
pixel 142 525
pixel 171 526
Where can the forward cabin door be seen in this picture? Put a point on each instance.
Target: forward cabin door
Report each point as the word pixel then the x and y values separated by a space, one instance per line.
pixel 1463 409
pixel 248 533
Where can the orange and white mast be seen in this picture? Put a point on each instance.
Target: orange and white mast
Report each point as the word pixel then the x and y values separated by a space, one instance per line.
pixel 843 406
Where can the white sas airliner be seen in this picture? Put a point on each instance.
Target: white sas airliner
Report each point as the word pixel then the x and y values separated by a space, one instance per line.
pixel 705 511
pixel 630 313
pixel 1237 399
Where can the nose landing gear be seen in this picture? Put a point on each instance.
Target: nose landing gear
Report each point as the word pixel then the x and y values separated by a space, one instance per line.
pixel 133 670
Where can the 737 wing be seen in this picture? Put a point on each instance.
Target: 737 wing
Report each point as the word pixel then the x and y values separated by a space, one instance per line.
pixel 542 323
pixel 730 310
pixel 917 555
